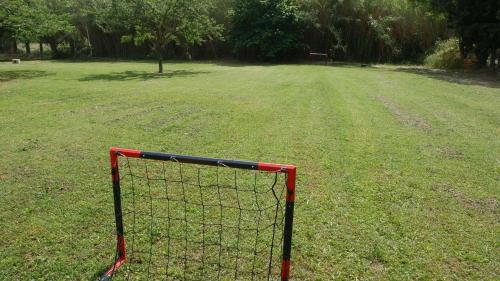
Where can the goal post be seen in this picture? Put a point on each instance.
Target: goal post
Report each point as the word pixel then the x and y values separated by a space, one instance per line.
pixel 199 244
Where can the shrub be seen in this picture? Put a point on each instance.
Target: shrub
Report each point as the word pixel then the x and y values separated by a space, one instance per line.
pixel 446 55
pixel 266 30
pixel 63 50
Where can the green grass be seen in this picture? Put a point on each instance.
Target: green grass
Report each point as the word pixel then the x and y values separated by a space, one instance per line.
pixel 398 170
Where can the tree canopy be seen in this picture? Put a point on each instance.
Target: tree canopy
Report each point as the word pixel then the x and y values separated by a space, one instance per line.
pixel 376 30
pixel 266 29
pixel 160 22
pixel 477 24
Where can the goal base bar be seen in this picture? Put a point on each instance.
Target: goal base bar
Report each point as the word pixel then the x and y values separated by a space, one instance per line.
pixel 290 170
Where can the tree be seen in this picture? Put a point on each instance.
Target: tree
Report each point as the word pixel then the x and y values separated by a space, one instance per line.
pixel 19 21
pixel 56 26
pixel 477 24
pixel 162 22
pixel 83 15
pixel 379 30
pixel 321 17
pixel 32 20
pixel 266 29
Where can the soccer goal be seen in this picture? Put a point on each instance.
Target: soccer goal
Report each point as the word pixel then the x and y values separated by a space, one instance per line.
pixel 194 218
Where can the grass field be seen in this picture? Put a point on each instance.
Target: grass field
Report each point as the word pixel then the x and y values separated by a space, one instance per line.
pixel 398 169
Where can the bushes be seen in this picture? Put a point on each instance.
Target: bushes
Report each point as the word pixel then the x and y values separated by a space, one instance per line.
pixel 357 30
pixel 446 55
pixel 268 30
pixel 376 30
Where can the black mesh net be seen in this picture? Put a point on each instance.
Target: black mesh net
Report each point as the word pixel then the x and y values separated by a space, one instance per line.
pixel 192 222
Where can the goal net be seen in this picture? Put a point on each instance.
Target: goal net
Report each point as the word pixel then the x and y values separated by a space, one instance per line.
pixel 194 218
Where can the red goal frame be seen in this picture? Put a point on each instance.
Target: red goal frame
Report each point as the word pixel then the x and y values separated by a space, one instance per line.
pixel 290 170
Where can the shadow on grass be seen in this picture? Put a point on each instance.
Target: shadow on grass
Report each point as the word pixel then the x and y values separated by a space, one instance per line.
pixel 348 64
pixel 98 275
pixel 140 75
pixel 478 78
pixel 21 74
pixel 241 63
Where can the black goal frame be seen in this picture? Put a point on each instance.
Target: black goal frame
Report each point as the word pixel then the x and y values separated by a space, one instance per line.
pixel 290 170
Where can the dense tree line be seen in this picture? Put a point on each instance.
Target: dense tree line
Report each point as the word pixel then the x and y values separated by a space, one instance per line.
pixel 363 30
pixel 476 23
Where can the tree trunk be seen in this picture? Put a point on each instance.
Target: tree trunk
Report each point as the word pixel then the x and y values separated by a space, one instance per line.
pixel 493 58
pixel 14 46
pixel 28 49
pixel 41 49
pixel 160 62
pixel 482 56
pixel 461 47
pixel 53 47
pixel 158 47
pixel 72 47
pixel 213 49
pixel 188 53
pixel 88 38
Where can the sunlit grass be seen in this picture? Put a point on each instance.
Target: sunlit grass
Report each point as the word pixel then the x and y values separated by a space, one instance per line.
pixel 397 168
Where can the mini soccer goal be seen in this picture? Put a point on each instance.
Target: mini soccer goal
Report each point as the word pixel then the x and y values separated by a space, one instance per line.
pixel 193 218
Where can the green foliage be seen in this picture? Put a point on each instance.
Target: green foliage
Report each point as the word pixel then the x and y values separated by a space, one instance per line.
pixel 20 19
pixel 377 30
pixel 35 20
pixel 161 22
pixel 446 55
pixel 476 23
pixel 64 48
pixel 266 29
pixel 322 16
pixel 381 30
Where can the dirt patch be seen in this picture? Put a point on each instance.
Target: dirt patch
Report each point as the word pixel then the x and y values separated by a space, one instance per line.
pixel 30 144
pixel 405 118
pixel 23 172
pixel 169 119
pixel 449 152
pixel 139 113
pixel 482 205
pixel 379 269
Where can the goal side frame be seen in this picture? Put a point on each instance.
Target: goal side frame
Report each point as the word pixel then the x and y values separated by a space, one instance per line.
pixel 290 170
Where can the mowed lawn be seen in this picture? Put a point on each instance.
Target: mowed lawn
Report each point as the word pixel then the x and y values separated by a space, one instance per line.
pixel 398 169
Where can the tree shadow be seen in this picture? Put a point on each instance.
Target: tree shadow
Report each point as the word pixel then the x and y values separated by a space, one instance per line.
pixel 21 74
pixel 479 78
pixel 240 63
pixel 140 75
pixel 349 64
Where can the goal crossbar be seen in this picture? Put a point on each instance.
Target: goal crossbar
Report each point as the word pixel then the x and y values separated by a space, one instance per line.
pixel 289 170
